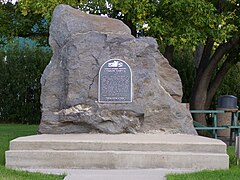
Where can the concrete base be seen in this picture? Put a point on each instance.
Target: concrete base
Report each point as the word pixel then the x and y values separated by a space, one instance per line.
pixel 124 151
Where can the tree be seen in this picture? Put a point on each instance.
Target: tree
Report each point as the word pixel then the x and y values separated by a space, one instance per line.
pixel 217 58
pixel 177 24
pixel 131 12
pixel 212 25
pixel 15 24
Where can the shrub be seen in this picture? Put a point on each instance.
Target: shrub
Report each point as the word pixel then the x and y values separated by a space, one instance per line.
pixel 21 67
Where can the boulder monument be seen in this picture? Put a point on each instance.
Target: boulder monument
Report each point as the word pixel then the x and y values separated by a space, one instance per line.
pixel 81 44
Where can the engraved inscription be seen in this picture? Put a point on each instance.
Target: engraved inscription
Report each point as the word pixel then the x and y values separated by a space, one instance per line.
pixel 115 82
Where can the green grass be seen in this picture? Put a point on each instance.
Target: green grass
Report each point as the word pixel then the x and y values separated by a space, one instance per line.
pixel 233 173
pixel 12 131
pixel 7 133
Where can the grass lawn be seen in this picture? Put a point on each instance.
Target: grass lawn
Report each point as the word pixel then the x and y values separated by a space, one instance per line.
pixel 7 133
pixel 233 173
pixel 12 131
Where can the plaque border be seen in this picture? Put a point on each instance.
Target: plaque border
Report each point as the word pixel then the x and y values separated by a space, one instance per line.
pixel 114 102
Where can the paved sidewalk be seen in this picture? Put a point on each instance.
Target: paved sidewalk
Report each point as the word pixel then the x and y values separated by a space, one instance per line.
pixel 112 174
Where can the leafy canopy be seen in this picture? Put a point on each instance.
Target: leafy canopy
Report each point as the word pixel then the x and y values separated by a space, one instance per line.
pixel 14 23
pixel 187 22
pixel 178 23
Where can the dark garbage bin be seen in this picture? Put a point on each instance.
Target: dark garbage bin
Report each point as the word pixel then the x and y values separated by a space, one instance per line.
pixel 227 102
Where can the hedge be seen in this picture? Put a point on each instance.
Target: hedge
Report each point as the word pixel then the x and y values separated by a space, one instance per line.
pixel 21 67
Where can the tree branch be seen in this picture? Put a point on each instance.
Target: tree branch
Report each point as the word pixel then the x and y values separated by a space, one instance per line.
pixel 205 55
pixel 219 53
pixel 220 6
pixel 226 66
pixel 34 34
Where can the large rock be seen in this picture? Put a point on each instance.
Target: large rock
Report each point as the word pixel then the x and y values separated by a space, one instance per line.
pixel 81 43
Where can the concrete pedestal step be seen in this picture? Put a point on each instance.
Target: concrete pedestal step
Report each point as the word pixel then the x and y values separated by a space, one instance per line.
pixel 89 151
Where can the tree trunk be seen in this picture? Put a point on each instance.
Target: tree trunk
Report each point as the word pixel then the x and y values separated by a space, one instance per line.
pixel 198 55
pixel 199 91
pixel 130 24
pixel 204 75
pixel 168 53
pixel 217 81
pixel 199 97
pixel 205 56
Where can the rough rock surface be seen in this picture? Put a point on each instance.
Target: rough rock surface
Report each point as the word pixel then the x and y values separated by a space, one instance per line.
pixel 81 43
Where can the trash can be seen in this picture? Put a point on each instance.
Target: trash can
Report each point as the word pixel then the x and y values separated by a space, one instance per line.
pixel 227 103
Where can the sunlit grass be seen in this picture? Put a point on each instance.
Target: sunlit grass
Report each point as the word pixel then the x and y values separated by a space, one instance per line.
pixel 12 131
pixel 7 133
pixel 233 173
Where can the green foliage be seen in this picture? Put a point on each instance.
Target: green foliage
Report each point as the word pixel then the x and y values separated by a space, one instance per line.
pixel 14 23
pixel 230 84
pixel 136 11
pixel 188 23
pixel 7 133
pixel 180 23
pixel 21 68
pixel 46 7
pixel 133 13
pixel 183 61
